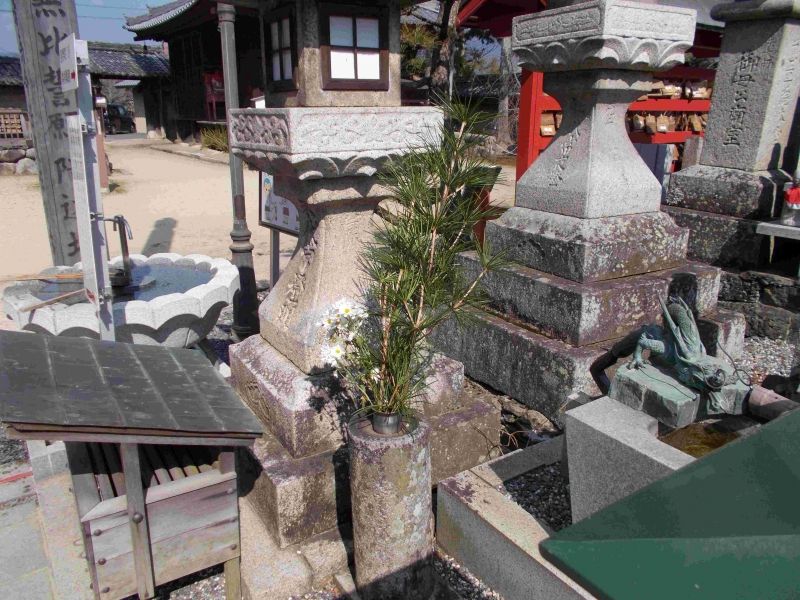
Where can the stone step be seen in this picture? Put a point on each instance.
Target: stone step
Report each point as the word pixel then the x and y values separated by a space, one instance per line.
pixel 722 240
pixel 542 372
pixel 586 250
pixel 586 313
pixel 730 192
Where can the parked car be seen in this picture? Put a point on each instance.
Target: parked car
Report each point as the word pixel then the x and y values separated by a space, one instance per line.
pixel 118 119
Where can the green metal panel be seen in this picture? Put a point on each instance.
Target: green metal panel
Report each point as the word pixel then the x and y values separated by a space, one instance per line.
pixel 726 526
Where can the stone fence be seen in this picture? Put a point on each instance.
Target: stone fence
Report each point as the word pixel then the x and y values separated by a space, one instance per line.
pixel 17 157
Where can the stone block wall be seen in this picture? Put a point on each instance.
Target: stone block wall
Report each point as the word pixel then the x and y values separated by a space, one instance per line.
pixel 18 159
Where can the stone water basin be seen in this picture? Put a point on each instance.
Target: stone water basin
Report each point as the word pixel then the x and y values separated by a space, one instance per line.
pixel 177 306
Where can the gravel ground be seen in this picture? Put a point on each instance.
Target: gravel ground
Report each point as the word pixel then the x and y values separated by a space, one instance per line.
pixel 460 581
pixel 763 357
pixel 544 493
pixel 12 453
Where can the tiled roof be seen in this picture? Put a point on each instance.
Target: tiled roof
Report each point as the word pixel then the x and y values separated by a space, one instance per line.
pixel 126 61
pixel 158 14
pixel 10 70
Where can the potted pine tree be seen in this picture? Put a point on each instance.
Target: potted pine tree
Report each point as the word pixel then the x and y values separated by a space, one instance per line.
pixel 381 349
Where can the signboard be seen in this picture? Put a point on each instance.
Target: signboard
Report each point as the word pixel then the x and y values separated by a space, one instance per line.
pixel 68 64
pixel 276 212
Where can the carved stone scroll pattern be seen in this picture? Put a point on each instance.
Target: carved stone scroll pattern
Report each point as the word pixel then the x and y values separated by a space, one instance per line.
pixel 260 129
pixel 646 22
pixel 610 52
pixel 361 131
pixel 540 27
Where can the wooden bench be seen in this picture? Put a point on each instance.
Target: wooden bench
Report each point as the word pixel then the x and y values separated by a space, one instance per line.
pixel 189 512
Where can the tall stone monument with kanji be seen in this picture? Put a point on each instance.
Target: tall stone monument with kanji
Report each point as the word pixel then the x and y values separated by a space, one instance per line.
pixel 591 249
pixel 739 180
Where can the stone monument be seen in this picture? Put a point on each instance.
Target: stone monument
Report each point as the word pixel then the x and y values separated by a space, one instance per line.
pixel 332 122
pixel 591 249
pixel 739 180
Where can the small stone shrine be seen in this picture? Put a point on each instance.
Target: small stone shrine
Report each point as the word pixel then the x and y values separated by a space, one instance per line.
pixel 591 249
pixel 332 122
pixel 743 166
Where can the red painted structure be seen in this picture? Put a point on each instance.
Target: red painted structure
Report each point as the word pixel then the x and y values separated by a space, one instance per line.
pixel 496 16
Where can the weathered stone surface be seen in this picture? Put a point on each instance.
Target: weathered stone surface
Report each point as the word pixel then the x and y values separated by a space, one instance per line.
pixel 442 393
pixel 8 168
pixel 657 393
pixel 390 478
pixel 721 240
pixel 613 451
pixel 776 290
pixel 299 410
pixel 31 153
pixel 11 155
pixel 531 368
pixel 727 191
pixel 755 93
pixel 692 148
pixel 696 283
pixel 591 169
pixel 497 540
pixel 26 166
pixel 739 287
pixel 587 250
pixel 327 555
pixel 463 438
pixel 295 498
pixel 267 571
pixel 722 332
pixel 609 34
pixel 578 314
pixel 311 143
pixel 767 321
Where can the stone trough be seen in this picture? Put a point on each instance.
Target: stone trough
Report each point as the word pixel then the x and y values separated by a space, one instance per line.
pixel 177 305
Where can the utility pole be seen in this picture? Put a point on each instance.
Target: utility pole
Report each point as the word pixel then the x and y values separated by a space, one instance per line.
pixel 41 26
pixel 245 303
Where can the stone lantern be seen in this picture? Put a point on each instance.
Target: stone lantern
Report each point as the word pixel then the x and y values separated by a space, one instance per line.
pixel 333 120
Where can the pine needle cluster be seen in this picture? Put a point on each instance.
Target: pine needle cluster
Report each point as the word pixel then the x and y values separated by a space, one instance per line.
pixel 414 282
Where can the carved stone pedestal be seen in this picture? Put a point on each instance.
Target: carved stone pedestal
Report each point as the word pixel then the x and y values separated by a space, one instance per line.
pixel 591 250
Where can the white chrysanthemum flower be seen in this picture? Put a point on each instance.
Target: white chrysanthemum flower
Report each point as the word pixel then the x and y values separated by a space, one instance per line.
pixel 333 354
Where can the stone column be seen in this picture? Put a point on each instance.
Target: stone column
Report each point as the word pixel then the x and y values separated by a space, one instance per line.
pixel 390 479
pixel 591 249
pixel 245 303
pixel 755 96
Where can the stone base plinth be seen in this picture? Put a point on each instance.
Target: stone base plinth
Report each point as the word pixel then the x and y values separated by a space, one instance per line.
pixel 721 240
pixel 652 391
pixel 583 314
pixel 270 572
pixel 727 191
pixel 295 498
pixel 300 410
pixel 586 250
pixel 542 372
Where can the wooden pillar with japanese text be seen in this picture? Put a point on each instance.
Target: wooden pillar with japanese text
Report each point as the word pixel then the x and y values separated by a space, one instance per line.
pixel 41 25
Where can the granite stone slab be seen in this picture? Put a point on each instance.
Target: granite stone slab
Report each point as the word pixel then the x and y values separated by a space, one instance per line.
pixel 726 191
pixel 721 240
pixel 613 451
pixel 576 313
pixel 587 250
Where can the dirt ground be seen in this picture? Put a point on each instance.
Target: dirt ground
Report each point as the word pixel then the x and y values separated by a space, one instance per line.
pixel 173 203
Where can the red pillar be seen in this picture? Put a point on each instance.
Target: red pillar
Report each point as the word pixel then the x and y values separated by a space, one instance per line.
pixel 530 113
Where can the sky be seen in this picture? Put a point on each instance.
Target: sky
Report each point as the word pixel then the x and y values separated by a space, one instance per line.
pixel 98 20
